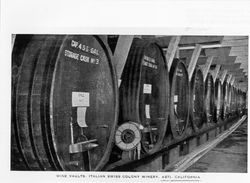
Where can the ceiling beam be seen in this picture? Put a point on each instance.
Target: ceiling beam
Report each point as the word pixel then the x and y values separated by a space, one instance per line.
pixel 163 41
pixel 238 53
pixel 234 37
pixel 232 67
pixel 239 48
pixel 240 42
pixel 187 40
pixel 241 58
pixel 217 60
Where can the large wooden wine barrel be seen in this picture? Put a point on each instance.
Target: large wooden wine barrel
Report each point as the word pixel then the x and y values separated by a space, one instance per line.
pixel 240 105
pixel 237 100
pixel 229 99
pixel 209 98
pixel 225 107
pixel 197 89
pixel 65 103
pixel 233 100
pixel 144 95
pixel 218 102
pixel 17 158
pixel 243 102
pixel 179 98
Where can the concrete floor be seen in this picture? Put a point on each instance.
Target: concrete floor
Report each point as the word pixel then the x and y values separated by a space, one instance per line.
pixel 228 156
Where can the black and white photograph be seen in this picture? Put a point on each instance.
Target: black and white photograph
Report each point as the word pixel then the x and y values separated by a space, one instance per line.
pixel 129 103
pixel 93 99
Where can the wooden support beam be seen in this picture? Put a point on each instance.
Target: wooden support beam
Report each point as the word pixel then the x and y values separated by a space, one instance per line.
pixel 207 67
pixel 223 76
pixel 104 38
pixel 121 53
pixel 13 38
pixel 216 71
pixel 172 47
pixel 229 78
pixel 232 81
pixel 193 60
pixel 177 53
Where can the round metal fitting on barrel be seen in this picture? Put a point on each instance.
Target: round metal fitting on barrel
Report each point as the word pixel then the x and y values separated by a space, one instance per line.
pixel 197 89
pixel 144 93
pixel 179 98
pixel 209 98
pixel 70 104
pixel 218 102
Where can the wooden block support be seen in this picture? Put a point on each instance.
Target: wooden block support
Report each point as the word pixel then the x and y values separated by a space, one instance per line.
pixel 221 129
pixel 174 154
pixel 121 53
pixel 223 76
pixel 217 131
pixel 207 66
pixel 203 138
pixel 172 47
pixel 193 61
pixel 212 134
pixel 192 144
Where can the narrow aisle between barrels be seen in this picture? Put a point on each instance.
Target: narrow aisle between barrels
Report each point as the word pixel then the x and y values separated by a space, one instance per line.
pixel 228 156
